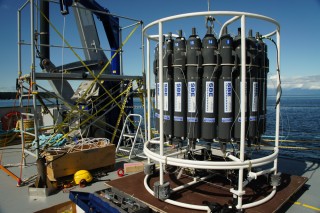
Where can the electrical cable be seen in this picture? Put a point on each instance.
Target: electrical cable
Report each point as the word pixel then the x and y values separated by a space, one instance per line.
pixel 278 69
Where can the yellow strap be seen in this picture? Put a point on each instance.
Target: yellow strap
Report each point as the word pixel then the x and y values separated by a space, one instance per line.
pixel 121 111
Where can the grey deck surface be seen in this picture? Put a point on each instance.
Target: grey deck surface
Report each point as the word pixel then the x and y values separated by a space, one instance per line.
pixel 16 199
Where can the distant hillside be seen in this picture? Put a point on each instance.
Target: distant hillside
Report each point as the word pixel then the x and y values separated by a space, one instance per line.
pixel 297 92
pixel 307 92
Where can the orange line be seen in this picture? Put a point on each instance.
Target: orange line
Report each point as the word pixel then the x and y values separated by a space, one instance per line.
pixel 9 173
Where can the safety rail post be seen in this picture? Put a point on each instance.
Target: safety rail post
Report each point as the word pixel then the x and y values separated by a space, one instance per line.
pixel 33 78
pixel 243 108
pixel 161 98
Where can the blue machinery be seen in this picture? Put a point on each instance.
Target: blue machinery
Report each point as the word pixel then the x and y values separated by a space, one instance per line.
pixel 108 200
pixel 211 90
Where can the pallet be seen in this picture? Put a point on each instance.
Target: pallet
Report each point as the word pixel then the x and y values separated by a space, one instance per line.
pixel 215 191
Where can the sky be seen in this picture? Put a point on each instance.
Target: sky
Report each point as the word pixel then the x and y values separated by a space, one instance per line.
pixel 299 21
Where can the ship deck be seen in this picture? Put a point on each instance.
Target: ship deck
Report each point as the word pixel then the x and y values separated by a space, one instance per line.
pixel 17 199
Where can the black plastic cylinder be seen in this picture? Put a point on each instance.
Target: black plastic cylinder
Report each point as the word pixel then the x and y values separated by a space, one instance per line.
pixel 45 31
pixel 262 83
pixel 253 88
pixel 209 112
pixel 194 72
pixel 156 95
pixel 266 71
pixel 225 96
pixel 168 95
pixel 180 87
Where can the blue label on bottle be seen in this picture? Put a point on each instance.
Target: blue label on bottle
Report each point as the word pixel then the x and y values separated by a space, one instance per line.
pixel 227 97
pixel 192 119
pixel 178 118
pixel 226 120
pixel 253 118
pixel 209 120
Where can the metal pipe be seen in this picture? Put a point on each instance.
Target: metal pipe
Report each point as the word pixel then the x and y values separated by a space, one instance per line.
pixel 206 13
pixel 190 206
pixel 33 79
pixel 19 47
pixel 131 25
pixel 156 37
pixel 270 34
pixel 243 107
pixel 184 205
pixel 30 153
pixel 121 53
pixel 227 23
pixel 231 157
pixel 256 174
pixel 177 153
pixel 146 186
pixel 44 30
pixel 144 86
pixel 191 183
pixel 210 164
pixel 23 6
pixel 67 47
pixel 22 140
pixel 249 205
pixel 161 98
pixel 148 90
pixel 19 55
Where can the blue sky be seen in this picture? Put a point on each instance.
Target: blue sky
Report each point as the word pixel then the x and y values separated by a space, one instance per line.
pixel 299 20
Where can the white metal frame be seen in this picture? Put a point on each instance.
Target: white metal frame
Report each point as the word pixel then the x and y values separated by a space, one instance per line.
pixel 240 163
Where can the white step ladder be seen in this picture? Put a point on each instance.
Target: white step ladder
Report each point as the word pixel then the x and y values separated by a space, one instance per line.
pixel 131 142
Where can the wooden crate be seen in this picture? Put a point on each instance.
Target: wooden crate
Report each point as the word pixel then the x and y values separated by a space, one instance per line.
pixel 68 206
pixel 60 165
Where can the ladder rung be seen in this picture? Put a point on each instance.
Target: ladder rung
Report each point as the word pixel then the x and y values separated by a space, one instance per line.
pixel 28 133
pixel 124 150
pixel 129 135
pixel 24 113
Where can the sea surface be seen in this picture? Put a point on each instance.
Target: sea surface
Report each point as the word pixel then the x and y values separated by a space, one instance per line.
pixel 299 125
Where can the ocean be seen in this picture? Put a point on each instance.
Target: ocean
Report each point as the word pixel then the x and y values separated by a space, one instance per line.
pixel 299 125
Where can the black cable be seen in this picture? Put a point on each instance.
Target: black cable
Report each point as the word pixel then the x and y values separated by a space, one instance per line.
pixel 278 69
